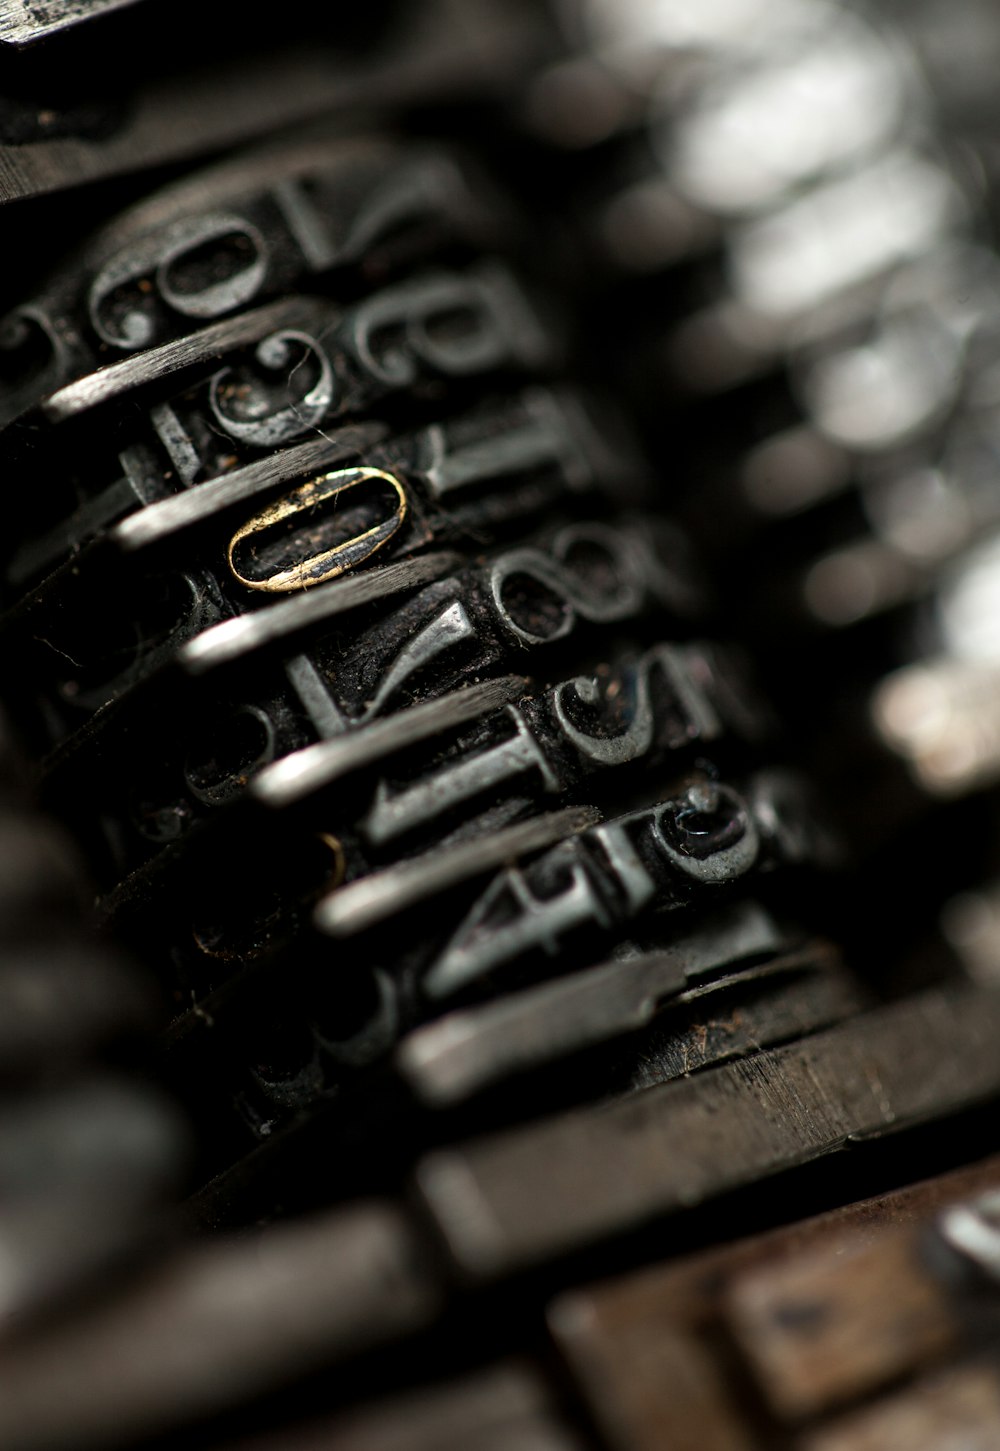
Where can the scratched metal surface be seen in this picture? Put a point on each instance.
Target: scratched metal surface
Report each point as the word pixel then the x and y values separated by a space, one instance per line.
pixel 497 577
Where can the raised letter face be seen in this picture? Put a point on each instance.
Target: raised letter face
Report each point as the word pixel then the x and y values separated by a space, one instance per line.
pixel 287 547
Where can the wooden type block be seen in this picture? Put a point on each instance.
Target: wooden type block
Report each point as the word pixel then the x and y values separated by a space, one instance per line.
pixel 959 1411
pixel 682 1355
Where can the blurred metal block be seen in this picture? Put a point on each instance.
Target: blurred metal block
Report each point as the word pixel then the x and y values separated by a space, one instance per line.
pixel 507 1407
pixel 22 21
pixel 511 1201
pixel 213 1324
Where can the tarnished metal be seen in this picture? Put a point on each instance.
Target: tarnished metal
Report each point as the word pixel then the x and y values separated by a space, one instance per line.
pixel 26 20
pixel 344 622
pixel 511 1201
pixel 215 94
pixel 465 1051
pixel 197 1331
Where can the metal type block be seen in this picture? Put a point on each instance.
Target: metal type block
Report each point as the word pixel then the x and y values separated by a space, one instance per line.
pixel 214 1323
pixel 493 327
pixel 474 619
pixel 472 480
pixel 508 1202
pixel 531 917
pixel 395 930
pixel 460 1054
pixel 361 904
pixel 317 767
pixel 701 839
pixel 606 878
pixel 60 1006
pixel 776 1002
pixel 88 1153
pixel 291 370
pixel 378 710
pixel 356 213
pixel 83 1168
pixel 206 89
pixel 26 20
pixel 505 1406
pixel 668 702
